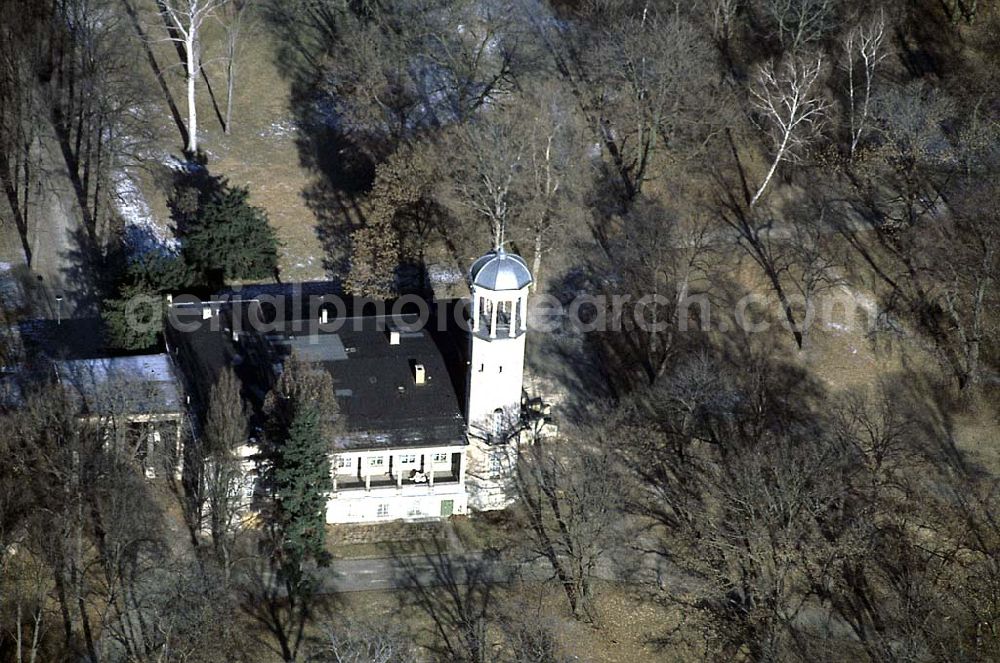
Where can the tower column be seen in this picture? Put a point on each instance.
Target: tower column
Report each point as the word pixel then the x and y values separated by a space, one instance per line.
pixel 475 313
pixel 493 319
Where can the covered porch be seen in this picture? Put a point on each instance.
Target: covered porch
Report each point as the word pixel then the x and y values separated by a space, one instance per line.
pixel 409 470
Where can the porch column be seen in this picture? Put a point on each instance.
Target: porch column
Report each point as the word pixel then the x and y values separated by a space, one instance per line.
pixel 430 475
pixel 334 483
pixel 396 469
pixel 461 468
pixel 366 461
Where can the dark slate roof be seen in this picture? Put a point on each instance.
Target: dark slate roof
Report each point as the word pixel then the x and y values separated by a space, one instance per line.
pixel 381 403
pixel 141 384
pixel 373 379
pixel 70 338
pixel 499 270
pixel 303 289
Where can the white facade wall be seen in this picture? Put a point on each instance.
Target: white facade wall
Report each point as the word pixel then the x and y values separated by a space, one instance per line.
pixel 408 503
pixel 496 360
pixel 488 480
pixel 496 372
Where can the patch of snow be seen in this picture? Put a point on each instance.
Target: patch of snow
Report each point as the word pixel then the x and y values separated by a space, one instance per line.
pixel 177 164
pixel 279 129
pixel 307 262
pixel 443 274
pixel 143 233
pixel 11 293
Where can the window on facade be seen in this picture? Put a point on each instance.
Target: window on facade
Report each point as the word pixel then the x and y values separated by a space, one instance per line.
pixel 248 486
pixel 440 458
pixel 383 510
pixel 345 462
pixel 375 461
pixel 407 459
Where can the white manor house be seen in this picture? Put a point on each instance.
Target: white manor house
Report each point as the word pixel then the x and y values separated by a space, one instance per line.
pixel 431 410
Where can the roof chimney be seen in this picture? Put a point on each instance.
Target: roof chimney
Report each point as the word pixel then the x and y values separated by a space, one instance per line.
pixel 419 374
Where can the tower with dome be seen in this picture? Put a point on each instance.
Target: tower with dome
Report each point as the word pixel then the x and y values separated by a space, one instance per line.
pixel 499 282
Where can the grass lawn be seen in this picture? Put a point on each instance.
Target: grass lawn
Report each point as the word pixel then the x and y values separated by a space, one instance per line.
pixel 261 152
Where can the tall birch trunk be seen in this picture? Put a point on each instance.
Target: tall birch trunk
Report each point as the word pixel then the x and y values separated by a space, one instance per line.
pixel 191 45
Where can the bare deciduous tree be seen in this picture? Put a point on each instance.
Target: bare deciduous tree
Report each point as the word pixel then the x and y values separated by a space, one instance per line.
pixel 570 504
pixel 518 168
pixel 491 156
pixel 656 263
pixel 791 107
pixel 235 24
pixel 185 19
pixel 398 72
pixel 353 641
pixel 799 23
pixel 554 176
pixel 651 90
pixel 723 17
pixel 225 433
pixel 863 47
pixel 917 218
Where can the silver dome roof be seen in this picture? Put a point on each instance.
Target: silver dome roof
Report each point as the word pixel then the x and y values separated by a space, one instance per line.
pixel 499 270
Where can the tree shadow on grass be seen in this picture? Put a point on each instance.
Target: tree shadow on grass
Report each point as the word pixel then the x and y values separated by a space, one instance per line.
pixel 340 169
pixel 341 176
pixel 285 610
pixel 90 274
pixel 456 591
pixel 157 71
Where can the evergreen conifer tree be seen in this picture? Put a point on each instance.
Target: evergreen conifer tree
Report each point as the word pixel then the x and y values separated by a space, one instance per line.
pixel 302 478
pixel 229 238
